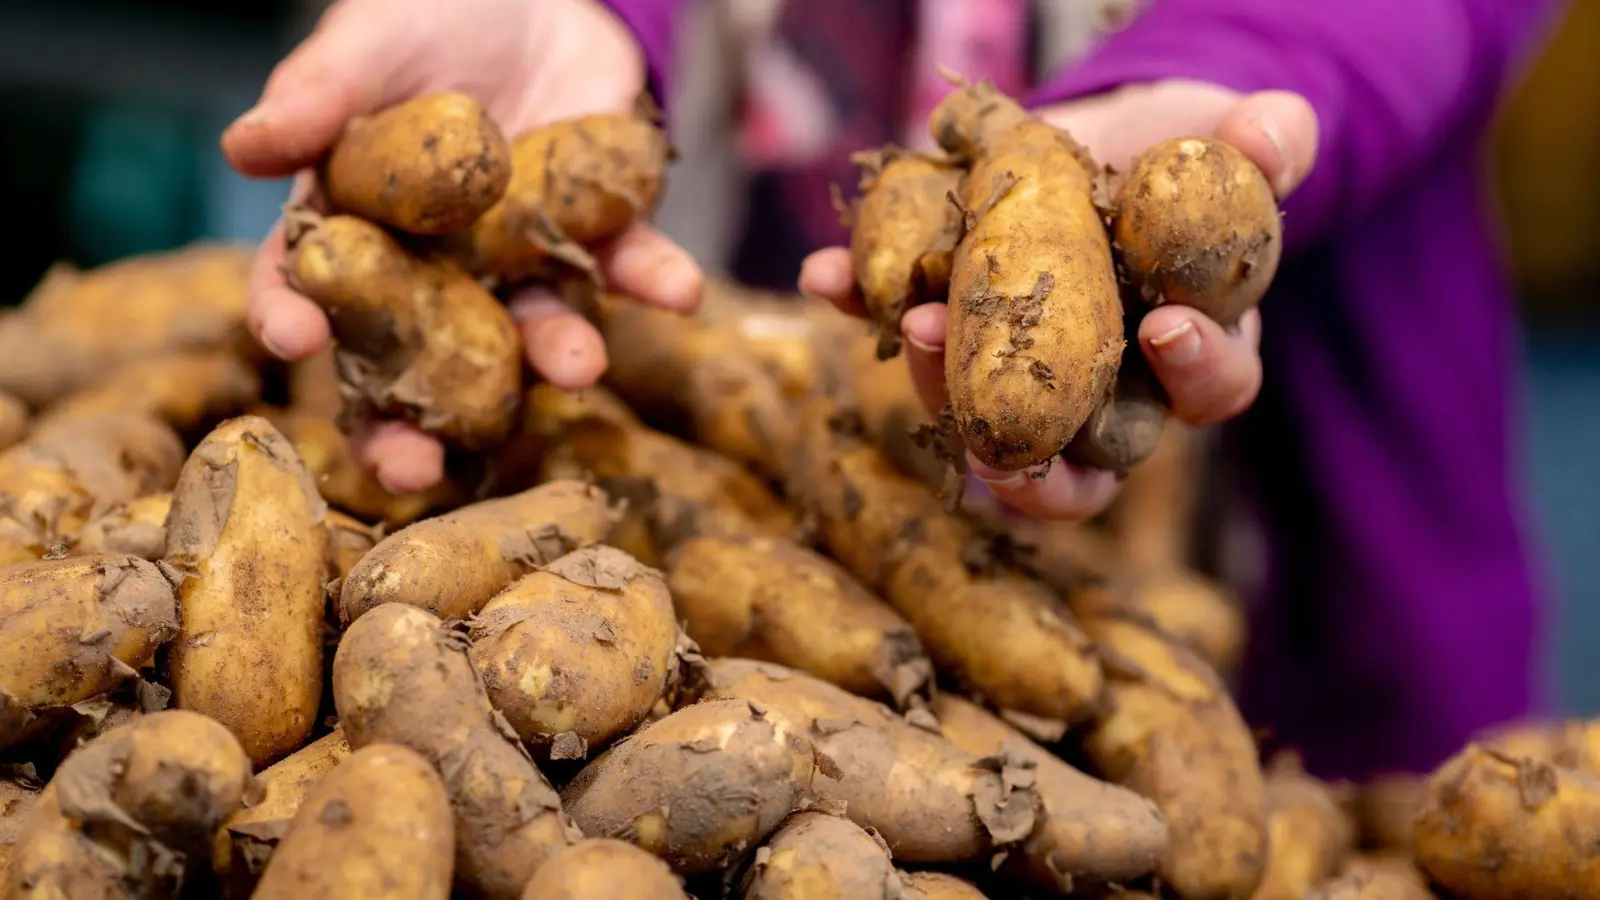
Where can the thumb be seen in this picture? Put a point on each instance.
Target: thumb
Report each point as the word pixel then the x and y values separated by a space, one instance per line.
pixel 339 72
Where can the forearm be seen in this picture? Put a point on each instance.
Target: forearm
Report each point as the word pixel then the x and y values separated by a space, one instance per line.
pixel 655 24
pixel 1391 83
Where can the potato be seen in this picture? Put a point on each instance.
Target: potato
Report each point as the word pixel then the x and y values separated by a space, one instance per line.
pixel 1496 826
pixel 937 886
pixel 452 564
pixel 402 677
pixel 574 184
pixel 1172 733
pixel 885 399
pixel 1067 556
pixel 418 338
pixel 815 854
pixel 187 390
pixel 1567 743
pixel 930 800
pixel 17 800
pixel 768 599
pixel 1374 878
pixel 604 869
pixel 248 838
pixel 378 826
pixel 799 339
pixel 547 413
pixel 1384 808
pixel 1035 331
pixel 903 230
pixel 1308 833
pixel 125 813
pixel 348 541
pixel 1153 518
pixel 76 326
pixel 1183 604
pixel 345 482
pixel 1125 428
pixel 1196 223
pixel 137 528
pixel 247 541
pixel 430 165
pixel 698 788
pixel 577 653
pixel 1088 832
pixel 71 629
pixel 14 419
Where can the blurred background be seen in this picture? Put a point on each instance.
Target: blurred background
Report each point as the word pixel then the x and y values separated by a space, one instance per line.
pixel 112 108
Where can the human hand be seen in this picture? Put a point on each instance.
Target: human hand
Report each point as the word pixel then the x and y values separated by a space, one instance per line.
pixel 1210 373
pixel 530 64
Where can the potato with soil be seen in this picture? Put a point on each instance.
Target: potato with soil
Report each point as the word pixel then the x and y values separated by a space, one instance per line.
pixel 187 390
pixel 137 528
pixel 127 812
pixel 820 855
pixel 1088 832
pixel 402 677
pixel 72 629
pixel 378 826
pixel 547 413
pixel 770 599
pixel 1384 809
pixel 1172 733
pixel 1375 878
pixel 418 338
pixel 1153 518
pixel 575 654
pixel 930 800
pixel 247 839
pixel 699 788
pixel 430 165
pixel 1182 604
pixel 1035 332
pixel 1196 223
pixel 14 420
pixel 937 886
pixel 1309 835
pixel 247 542
pixel 17 800
pixel 1567 743
pixel 1498 827
pixel 903 231
pixel 450 565
pixel 604 869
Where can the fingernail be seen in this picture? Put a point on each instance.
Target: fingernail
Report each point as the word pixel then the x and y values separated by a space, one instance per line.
pixel 919 345
pixel 273 343
pixel 255 115
pixel 1178 347
pixel 1284 168
pixel 996 478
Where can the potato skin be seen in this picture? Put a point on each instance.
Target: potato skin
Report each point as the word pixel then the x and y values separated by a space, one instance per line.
pixel 1384 808
pixel 348 541
pixel 818 855
pixel 137 528
pixel 937 886
pixel 1184 605
pixel 248 838
pixel 602 869
pixel 450 565
pixel 1308 833
pixel 17 801
pixel 698 788
pixel 427 166
pixel 14 419
pixel 186 389
pixel 379 826
pixel 1196 223
pixel 1384 877
pixel 577 653
pixel 70 629
pixel 764 598
pixel 401 677
pixel 418 338
pixel 1035 329
pixel 247 539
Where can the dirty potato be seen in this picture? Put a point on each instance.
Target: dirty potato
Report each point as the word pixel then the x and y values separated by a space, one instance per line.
pixel 188 390
pixel 247 839
pixel 816 854
pixel 603 869
pixel 1309 835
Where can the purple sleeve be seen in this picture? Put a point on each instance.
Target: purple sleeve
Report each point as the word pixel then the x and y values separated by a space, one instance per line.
pixel 655 24
pixel 1390 80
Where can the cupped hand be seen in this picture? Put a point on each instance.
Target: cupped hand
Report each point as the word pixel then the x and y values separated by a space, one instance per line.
pixel 530 64
pixel 1210 373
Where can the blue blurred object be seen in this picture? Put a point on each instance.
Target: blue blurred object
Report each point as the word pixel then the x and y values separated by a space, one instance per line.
pixel 134 189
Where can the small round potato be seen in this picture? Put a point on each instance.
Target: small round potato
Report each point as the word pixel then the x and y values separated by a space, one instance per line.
pixel 604 869
pixel 814 854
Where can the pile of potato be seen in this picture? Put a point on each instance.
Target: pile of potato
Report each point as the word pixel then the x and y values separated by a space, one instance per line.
pixel 707 631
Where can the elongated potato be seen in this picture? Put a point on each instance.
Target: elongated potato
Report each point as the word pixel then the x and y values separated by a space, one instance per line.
pixel 1196 223
pixel 1182 604
pixel 247 540
pixel 768 599
pixel 700 787
pixel 1389 877
pixel 1153 518
pixel 1035 333
pixel 452 564
pixel 348 484
pixel 378 826
pixel 418 338
pixel 547 413
pixel 577 653
pixel 891 413
pixel 17 800
pixel 14 420
pixel 126 811
pixel 1309 835
pixel 603 869
pixel 401 677
pixel 815 854
pixel 937 886
pixel 1173 734
pixel 137 528
pixel 429 165
pixel 903 230
pixel 187 390
pixel 71 629
pixel 930 800
pixel 248 838
pixel 1088 832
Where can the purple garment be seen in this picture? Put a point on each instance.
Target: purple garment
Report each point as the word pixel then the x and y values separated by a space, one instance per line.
pixel 655 24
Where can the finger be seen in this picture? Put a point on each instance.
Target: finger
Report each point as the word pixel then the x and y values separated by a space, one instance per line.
pixel 404 459
pixel 650 267
pixel 1278 131
pixel 1210 373
pixel 1058 490
pixel 286 323
pixel 561 345
pixel 924 329
pixel 828 274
